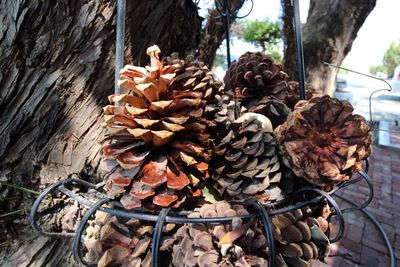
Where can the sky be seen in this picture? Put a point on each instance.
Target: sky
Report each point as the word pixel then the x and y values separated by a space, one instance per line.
pixel 381 27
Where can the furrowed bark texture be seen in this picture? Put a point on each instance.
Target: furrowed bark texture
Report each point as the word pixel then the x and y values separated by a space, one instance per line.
pixel 328 35
pixel 213 33
pixel 57 69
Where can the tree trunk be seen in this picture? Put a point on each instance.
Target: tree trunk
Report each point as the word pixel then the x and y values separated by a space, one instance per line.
pixel 289 50
pixel 214 33
pixel 57 61
pixel 328 35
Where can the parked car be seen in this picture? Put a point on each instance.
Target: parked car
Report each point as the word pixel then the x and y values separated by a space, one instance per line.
pixel 341 84
pixel 341 90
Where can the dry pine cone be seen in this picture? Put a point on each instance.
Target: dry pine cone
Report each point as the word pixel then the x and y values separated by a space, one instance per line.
pixel 111 243
pixel 255 75
pixel 273 109
pixel 245 162
pixel 157 150
pixel 323 142
pixel 294 95
pixel 226 245
pixel 300 238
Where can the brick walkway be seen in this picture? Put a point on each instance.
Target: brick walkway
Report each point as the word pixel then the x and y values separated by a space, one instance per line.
pixel 362 244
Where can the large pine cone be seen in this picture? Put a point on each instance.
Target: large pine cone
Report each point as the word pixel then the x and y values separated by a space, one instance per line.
pixel 245 162
pixel 294 95
pixel 225 245
pixel 273 109
pixel 256 75
pixel 323 142
pixel 300 238
pixel 158 148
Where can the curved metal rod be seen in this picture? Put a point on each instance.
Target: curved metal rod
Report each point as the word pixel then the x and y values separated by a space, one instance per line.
pixel 155 245
pixel 370 196
pixel 333 204
pixel 268 232
pixel 367 165
pixel 60 187
pixel 223 13
pixel 177 216
pixel 380 229
pixel 390 89
pixel 36 204
pixel 76 247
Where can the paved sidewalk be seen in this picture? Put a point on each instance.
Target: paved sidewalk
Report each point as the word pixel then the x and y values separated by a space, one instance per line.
pixel 362 244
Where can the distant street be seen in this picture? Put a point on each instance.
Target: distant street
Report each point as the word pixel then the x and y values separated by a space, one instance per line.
pixel 385 105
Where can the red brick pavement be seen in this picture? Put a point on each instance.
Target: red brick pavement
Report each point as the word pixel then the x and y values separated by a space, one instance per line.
pixel 362 244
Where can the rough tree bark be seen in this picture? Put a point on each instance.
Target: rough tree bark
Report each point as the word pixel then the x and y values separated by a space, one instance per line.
pixel 57 65
pixel 213 33
pixel 328 34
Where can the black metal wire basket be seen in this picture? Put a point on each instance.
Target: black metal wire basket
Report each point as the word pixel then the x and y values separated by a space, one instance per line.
pixel 301 198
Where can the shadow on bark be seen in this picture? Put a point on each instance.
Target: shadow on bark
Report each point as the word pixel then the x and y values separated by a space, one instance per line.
pixel 57 69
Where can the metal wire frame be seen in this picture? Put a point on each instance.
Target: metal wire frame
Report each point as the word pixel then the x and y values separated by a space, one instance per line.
pixel 264 211
pixel 179 217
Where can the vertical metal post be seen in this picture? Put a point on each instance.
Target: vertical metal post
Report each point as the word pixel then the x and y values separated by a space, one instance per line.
pixel 226 17
pixel 119 44
pixel 299 48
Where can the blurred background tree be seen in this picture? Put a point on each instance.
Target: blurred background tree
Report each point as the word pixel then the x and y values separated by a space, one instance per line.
pixel 390 60
pixel 264 34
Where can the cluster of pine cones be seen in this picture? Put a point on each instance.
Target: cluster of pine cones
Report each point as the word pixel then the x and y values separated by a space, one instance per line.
pixel 178 138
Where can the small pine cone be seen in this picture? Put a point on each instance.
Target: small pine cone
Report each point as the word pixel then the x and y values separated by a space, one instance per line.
pixel 300 238
pixel 256 75
pixel 323 142
pixel 111 243
pixel 157 152
pixel 227 245
pixel 245 162
pixel 273 109
pixel 220 113
pixel 294 95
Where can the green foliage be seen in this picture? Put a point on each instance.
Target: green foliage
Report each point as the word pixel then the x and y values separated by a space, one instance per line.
pixel 375 69
pixel 262 33
pixel 391 58
pixel 274 52
pixel 220 60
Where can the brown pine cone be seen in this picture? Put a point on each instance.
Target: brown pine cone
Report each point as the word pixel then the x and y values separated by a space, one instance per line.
pixel 245 162
pixel 294 95
pixel 111 243
pixel 273 109
pixel 225 245
pixel 323 142
pixel 157 151
pixel 254 76
pixel 300 238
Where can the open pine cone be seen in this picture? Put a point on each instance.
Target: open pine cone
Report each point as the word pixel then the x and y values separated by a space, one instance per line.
pixel 323 142
pixel 273 109
pixel 254 76
pixel 157 150
pixel 226 245
pixel 294 95
pixel 245 162
pixel 300 238
pixel 111 243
